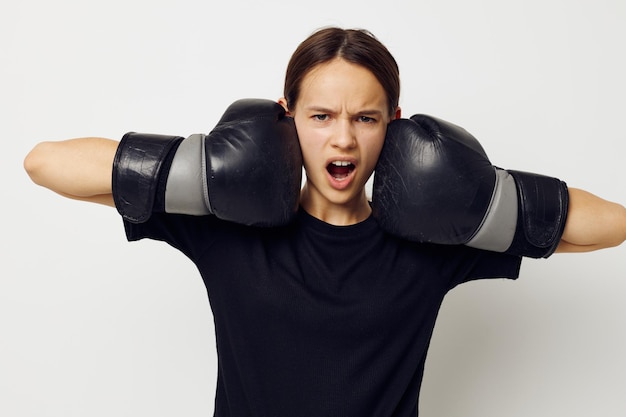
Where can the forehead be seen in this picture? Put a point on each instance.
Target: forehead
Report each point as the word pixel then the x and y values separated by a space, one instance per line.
pixel 339 83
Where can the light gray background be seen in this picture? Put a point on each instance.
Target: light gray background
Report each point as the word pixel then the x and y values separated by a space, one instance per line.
pixel 93 326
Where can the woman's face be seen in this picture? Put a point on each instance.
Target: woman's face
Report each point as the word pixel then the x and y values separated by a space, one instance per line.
pixel 341 116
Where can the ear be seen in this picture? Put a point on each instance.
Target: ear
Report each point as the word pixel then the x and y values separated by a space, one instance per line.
pixel 283 102
pixel 397 114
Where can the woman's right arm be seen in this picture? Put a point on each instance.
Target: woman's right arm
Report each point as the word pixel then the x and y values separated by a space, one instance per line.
pixel 80 169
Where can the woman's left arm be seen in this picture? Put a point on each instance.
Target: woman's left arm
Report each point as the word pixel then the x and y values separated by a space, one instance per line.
pixel 592 223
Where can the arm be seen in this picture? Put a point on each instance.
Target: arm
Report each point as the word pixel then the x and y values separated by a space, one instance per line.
pixel 247 170
pixel 424 155
pixel 592 223
pixel 77 168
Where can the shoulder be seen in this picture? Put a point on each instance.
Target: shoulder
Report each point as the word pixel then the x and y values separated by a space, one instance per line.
pixel 460 263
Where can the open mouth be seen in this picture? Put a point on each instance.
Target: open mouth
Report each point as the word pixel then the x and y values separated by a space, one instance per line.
pixel 340 170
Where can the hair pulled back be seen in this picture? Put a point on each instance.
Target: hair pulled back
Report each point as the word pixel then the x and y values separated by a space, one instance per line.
pixel 357 46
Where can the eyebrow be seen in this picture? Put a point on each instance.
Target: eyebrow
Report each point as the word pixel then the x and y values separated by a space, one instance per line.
pixel 364 112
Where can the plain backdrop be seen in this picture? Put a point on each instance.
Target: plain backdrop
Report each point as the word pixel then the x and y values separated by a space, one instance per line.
pixel 91 325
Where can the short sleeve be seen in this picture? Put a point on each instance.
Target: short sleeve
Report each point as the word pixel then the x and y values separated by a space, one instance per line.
pixel 189 234
pixel 478 264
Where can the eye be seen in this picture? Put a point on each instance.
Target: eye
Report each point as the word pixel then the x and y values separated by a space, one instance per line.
pixel 320 117
pixel 366 119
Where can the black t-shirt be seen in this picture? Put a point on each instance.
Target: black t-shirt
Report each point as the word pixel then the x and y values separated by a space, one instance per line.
pixel 320 320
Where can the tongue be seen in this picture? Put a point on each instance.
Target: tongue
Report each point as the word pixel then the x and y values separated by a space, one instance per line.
pixel 339 172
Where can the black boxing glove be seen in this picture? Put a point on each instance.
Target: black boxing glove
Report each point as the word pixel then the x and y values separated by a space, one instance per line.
pixel 434 183
pixel 248 169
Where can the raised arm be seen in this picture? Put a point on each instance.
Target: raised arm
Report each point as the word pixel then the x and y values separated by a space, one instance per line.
pixel 434 183
pixel 248 169
pixel 592 223
pixel 77 168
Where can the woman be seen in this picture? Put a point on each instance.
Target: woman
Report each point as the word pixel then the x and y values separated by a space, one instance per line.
pixel 328 315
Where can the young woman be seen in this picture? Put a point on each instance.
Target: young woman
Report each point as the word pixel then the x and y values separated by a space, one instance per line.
pixel 328 315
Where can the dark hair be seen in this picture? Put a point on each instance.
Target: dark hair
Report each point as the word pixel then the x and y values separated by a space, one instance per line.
pixel 357 46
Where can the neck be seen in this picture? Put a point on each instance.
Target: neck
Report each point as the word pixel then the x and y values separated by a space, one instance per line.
pixel 338 214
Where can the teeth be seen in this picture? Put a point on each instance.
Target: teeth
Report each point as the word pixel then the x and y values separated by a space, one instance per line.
pixel 341 163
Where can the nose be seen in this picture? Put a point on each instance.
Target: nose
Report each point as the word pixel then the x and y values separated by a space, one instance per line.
pixel 344 135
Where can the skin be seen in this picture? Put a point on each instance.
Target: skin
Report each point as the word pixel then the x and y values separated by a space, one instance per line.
pixel 341 115
pixel 79 169
pixel 592 223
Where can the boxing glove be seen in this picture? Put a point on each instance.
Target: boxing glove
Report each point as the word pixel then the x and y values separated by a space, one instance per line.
pixel 434 183
pixel 247 170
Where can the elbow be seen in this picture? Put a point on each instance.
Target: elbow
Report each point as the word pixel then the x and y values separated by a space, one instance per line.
pixel 620 226
pixel 616 227
pixel 35 162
